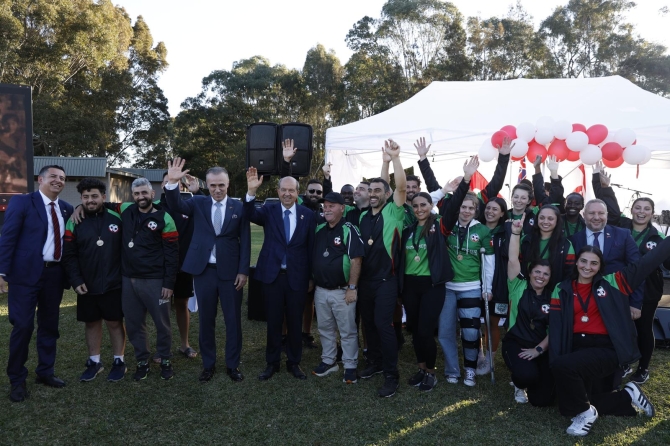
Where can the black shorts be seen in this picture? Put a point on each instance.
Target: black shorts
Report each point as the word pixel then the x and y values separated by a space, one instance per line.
pixel 183 286
pixel 92 308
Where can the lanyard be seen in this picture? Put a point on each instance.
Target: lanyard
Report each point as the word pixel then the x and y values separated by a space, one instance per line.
pixel 462 235
pixel 637 237
pixel 415 242
pixel 584 305
pixel 577 227
pixel 544 251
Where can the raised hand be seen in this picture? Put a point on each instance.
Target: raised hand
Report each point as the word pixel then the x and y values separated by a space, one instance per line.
pixel 552 163
pixel 506 147
pixel 470 166
pixel 253 181
pixel 605 178
pixel 391 148
pixel 386 158
pixel 288 150
pixel 176 170
pixel 597 167
pixel 517 225
pixel 537 162
pixel 192 183
pixel 421 149
pixel 326 170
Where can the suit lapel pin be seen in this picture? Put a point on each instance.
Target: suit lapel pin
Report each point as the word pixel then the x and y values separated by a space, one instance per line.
pixel 234 216
pixel 302 216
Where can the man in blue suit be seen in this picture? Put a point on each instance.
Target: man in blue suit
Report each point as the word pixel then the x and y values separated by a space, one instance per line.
pixel 31 248
pixel 284 268
pixel 218 258
pixel 617 245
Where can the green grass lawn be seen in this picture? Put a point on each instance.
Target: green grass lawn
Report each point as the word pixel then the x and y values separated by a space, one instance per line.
pixel 319 411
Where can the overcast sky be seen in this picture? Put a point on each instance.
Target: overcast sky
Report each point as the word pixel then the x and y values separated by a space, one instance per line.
pixel 206 35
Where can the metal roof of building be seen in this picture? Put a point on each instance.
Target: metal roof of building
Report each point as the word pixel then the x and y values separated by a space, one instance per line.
pixel 153 175
pixel 74 166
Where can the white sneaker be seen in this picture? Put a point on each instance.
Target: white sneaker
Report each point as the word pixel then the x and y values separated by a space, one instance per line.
pixel 582 423
pixel 639 399
pixel 483 365
pixel 451 379
pixel 520 395
pixel 469 377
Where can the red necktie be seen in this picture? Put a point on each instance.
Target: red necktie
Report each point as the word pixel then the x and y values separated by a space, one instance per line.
pixel 56 231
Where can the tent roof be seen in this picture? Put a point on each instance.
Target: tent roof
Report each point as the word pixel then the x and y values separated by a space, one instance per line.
pixel 459 116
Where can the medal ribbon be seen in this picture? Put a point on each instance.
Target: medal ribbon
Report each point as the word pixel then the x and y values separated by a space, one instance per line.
pixel 584 305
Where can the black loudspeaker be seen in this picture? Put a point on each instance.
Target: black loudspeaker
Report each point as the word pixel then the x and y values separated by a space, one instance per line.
pixel 301 134
pixel 262 147
pixel 661 323
pixel 255 298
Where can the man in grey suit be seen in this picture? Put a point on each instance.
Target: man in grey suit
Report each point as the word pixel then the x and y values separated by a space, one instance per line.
pixel 218 258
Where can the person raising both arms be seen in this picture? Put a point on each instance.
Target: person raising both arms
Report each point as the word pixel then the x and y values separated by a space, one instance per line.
pixel 526 339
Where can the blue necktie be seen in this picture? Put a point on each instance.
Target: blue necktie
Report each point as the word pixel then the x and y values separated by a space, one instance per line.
pixel 596 242
pixel 287 232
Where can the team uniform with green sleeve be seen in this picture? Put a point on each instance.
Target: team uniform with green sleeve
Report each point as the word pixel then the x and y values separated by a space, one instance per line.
pixel 341 243
pixel 467 269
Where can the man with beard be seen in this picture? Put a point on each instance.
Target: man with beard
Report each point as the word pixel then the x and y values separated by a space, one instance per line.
pixel 149 266
pixel 92 261
pixel 338 249
pixel 30 261
pixel 381 229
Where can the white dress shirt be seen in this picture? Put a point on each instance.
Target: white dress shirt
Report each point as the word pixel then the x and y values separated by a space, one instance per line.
pixel 601 238
pixel 224 202
pixel 49 245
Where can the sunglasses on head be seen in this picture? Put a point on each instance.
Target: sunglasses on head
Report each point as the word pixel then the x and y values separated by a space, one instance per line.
pixel 315 191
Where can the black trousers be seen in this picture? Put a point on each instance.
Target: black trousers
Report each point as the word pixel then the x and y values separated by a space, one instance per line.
pixel 377 300
pixel 534 376
pixel 423 304
pixel 592 358
pixel 645 333
pixel 280 301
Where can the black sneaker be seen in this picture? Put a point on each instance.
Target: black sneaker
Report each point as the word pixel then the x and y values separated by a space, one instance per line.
pixel 324 369
pixel 142 371
pixel 370 371
pixel 350 376
pixel 92 370
pixel 429 382
pixel 640 376
pixel 118 371
pixel 389 388
pixel 166 369
pixel 417 378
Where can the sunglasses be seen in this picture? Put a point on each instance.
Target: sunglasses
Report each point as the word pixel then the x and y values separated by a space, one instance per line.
pixel 315 191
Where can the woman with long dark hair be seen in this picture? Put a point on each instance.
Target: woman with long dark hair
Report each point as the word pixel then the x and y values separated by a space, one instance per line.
pixel 547 241
pixel 526 339
pixel 592 336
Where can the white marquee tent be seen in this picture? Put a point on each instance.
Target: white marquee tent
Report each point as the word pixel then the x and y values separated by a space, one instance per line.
pixel 457 117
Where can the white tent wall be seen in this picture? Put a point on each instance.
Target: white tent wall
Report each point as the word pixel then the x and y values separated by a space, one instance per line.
pixel 457 117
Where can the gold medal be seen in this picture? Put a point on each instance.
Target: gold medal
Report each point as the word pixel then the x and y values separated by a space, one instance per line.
pixel 585 318
pixel 370 242
pixel 326 253
pixel 459 257
pixel 131 244
pixel 99 243
pixel 532 326
pixel 417 259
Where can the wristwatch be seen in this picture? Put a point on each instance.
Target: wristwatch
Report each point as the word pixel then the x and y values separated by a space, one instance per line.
pixel 539 349
pixel 352 287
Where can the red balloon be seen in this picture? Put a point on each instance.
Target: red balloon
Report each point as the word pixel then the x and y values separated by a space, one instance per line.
pixel 559 149
pixel 612 151
pixel 510 130
pixel 497 138
pixel 572 156
pixel 597 133
pixel 612 164
pixel 536 149
pixel 578 128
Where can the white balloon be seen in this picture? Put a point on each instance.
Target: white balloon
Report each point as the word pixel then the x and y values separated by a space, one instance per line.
pixel 525 131
pixel 487 152
pixel 544 135
pixel 647 156
pixel 519 148
pixel 562 129
pixel 591 154
pixel 624 137
pixel 636 154
pixel 577 141
pixel 545 121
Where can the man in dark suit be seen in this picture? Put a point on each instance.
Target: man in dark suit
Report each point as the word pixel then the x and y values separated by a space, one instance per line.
pixel 617 245
pixel 218 258
pixel 31 248
pixel 284 268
